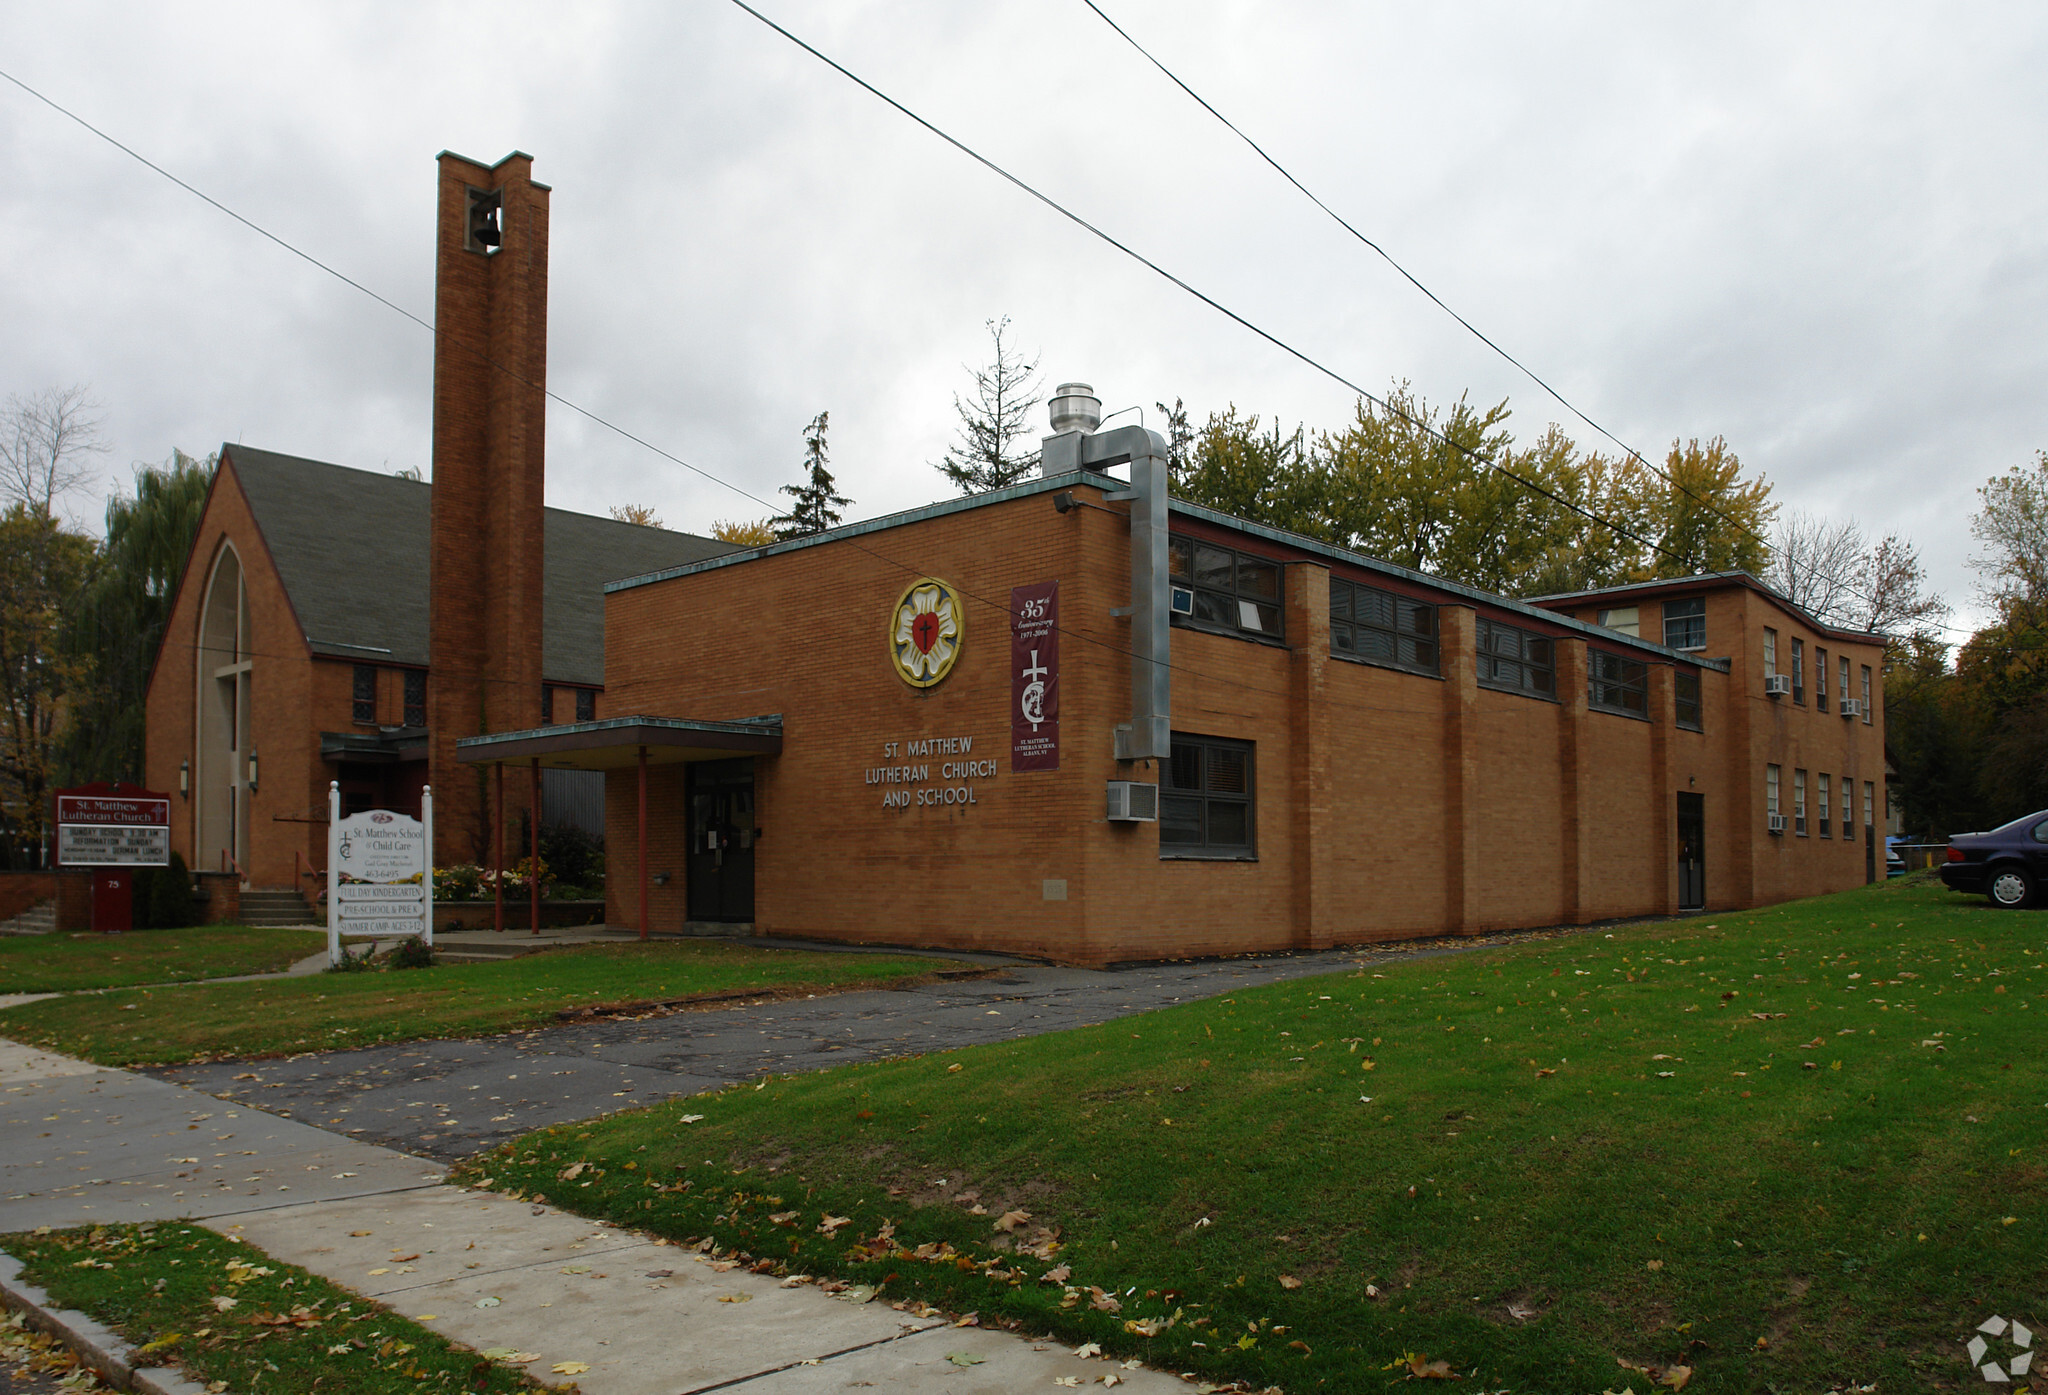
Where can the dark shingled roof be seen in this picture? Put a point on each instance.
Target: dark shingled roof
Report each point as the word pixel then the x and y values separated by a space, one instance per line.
pixel 351 546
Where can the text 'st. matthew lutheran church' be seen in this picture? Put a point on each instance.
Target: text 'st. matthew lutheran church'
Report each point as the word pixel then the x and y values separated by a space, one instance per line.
pixel 1076 718
pixel 339 624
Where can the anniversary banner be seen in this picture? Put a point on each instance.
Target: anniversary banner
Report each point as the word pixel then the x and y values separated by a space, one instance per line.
pixel 1035 677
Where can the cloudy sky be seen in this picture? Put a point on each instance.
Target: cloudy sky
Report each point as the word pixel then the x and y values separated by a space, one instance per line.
pixel 1818 230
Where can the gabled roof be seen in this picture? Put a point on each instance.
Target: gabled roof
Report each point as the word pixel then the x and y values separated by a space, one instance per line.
pixel 351 547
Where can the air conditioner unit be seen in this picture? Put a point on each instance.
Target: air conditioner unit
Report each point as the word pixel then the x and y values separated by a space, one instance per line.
pixel 1132 802
pixel 1777 684
pixel 1183 602
pixel 1852 707
pixel 1777 822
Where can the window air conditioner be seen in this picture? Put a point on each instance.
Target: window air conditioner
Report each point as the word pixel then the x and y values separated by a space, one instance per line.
pixel 1132 802
pixel 1852 707
pixel 1777 684
pixel 1777 822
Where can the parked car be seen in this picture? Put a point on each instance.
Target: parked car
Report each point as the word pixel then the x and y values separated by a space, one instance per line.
pixel 1894 860
pixel 2009 864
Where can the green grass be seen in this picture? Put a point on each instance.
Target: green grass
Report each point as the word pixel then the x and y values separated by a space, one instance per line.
pixel 286 1330
pixel 1790 1149
pixel 274 1017
pixel 62 963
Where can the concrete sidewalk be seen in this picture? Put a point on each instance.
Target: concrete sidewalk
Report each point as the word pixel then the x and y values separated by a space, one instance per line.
pixel 80 1144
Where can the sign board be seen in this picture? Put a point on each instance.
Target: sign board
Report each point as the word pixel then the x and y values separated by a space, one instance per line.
pixel 380 872
pixel 113 825
pixel 1035 677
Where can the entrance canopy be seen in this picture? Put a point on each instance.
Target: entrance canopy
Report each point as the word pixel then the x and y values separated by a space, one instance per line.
pixel 617 743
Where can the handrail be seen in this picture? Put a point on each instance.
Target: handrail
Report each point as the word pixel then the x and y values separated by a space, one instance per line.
pixel 228 863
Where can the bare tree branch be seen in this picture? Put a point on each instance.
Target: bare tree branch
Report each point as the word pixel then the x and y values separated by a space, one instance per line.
pixel 45 441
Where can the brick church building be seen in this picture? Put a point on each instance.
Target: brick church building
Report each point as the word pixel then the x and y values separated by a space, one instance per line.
pixel 1076 718
pixel 341 624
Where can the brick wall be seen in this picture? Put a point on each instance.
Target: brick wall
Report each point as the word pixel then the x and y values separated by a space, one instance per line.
pixel 1389 804
pixel 490 372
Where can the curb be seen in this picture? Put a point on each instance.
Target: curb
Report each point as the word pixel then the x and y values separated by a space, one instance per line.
pixel 106 1352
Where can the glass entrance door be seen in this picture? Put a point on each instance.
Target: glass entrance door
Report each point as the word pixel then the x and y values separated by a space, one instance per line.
pixel 1692 852
pixel 722 834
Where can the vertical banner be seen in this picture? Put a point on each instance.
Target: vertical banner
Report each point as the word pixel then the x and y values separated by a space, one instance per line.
pixel 1035 677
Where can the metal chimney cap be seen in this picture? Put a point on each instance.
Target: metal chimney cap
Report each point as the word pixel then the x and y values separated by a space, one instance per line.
pixel 1075 407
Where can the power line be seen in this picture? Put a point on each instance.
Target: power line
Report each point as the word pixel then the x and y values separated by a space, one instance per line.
pixel 852 541
pixel 1436 300
pixel 1206 299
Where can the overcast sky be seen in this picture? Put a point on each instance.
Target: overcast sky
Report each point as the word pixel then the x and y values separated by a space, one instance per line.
pixel 1816 230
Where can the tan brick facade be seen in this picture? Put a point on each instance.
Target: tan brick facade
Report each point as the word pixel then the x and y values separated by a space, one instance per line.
pixel 490 376
pixel 1388 804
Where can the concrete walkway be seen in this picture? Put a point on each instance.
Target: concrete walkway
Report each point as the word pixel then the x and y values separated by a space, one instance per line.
pixel 79 1144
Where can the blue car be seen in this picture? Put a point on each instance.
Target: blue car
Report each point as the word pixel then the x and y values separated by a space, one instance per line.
pixel 2009 864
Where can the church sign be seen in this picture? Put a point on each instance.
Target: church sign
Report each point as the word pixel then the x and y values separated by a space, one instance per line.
pixel 113 826
pixel 380 876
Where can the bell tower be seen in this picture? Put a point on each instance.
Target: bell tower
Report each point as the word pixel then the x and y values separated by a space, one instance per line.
pixel 488 539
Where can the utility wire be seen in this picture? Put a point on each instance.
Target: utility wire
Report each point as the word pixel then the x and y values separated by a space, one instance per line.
pixel 1121 651
pixel 1423 426
pixel 1437 301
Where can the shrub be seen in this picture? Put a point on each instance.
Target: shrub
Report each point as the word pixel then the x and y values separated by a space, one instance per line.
pixel 171 903
pixel 142 885
pixel 353 962
pixel 577 856
pixel 413 952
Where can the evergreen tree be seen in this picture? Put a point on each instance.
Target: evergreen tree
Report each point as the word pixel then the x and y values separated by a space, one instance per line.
pixel 817 506
pixel 994 426
pixel 114 629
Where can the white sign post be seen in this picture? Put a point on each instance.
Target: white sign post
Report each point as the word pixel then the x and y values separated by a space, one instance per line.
pixel 380 872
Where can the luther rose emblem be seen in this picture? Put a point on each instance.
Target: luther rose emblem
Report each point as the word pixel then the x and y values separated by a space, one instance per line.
pixel 925 632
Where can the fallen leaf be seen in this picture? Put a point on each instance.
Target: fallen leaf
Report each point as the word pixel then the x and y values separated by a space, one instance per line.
pixel 375 1272
pixel 691 1118
pixel 1104 1302
pixel 359 1232
pixel 1070 1382
pixel 488 1302
pixel 572 1172
pixel 1088 1349
pixel 1656 1264
pixel 426 1317
pixel 736 1298
pixel 830 1225
pixel 1010 1220
pixel 965 1358
pixel 222 1302
pixel 1545 1071
pixel 1420 1367
pixel 1677 1376
pixel 661 1273
pixel 1058 1274
pixel 1112 1379
pixel 575 1269
pixel 569 1368
pixel 1288 1281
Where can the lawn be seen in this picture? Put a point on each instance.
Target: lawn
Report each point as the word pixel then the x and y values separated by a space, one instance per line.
pixel 229 1314
pixel 276 1017
pixel 61 963
pixel 1797 1149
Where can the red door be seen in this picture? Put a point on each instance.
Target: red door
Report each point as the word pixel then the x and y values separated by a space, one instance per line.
pixel 113 898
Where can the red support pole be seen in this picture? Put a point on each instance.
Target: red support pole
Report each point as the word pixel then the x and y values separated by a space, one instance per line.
pixel 643 842
pixel 498 855
pixel 533 848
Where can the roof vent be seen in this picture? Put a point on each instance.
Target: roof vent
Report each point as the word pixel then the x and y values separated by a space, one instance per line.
pixel 1075 407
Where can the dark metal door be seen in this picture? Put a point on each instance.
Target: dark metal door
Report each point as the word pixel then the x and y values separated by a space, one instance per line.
pixel 1869 853
pixel 1692 852
pixel 722 832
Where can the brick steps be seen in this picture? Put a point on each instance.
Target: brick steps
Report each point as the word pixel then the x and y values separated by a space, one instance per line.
pixel 277 906
pixel 39 919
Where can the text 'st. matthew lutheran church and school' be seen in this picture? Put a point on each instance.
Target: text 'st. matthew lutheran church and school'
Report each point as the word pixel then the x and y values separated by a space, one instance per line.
pixel 1076 718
